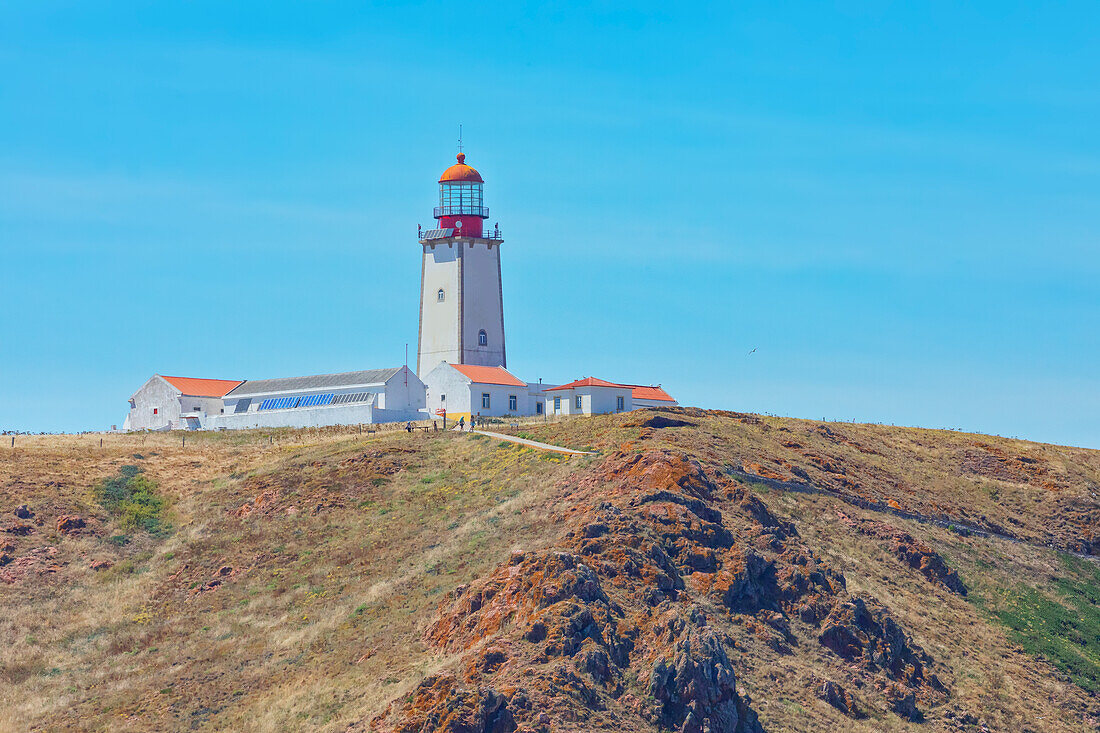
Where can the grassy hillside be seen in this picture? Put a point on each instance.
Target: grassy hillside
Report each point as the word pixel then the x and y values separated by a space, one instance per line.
pixel 836 575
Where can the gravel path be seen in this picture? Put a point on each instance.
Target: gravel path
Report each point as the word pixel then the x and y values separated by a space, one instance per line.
pixel 534 443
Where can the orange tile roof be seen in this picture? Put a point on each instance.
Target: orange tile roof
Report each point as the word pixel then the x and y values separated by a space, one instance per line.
pixel 488 375
pixel 588 382
pixel 642 392
pixel 193 387
pixel 639 391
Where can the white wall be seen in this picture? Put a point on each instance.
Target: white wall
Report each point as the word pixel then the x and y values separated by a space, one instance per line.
pixel 155 394
pixel 438 321
pixel 206 405
pixel 310 417
pixel 594 400
pixel 602 400
pixel 404 391
pixel 638 404
pixel 464 397
pixel 536 392
pixel 469 274
pixel 444 380
pixel 482 305
pixel 498 400
pixel 566 405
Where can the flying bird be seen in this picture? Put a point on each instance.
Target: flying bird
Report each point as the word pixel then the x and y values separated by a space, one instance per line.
pixel 752 352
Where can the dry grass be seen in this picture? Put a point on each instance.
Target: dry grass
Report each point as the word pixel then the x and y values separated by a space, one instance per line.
pixel 317 622
pixel 350 541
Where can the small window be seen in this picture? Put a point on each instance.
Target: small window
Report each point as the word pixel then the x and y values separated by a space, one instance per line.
pixel 154 411
pixel 619 403
pixel 512 403
pixel 578 402
pixel 485 400
pixel 557 404
pixel 196 408
pixel 440 296
pixel 482 338
pixel 442 398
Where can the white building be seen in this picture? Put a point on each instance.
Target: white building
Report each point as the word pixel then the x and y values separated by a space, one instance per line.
pixel 589 396
pixel 348 398
pixel 171 403
pixel 464 390
pixel 592 396
pixel 461 297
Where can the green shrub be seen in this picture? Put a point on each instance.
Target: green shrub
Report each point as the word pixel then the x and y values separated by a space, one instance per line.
pixel 1065 630
pixel 132 497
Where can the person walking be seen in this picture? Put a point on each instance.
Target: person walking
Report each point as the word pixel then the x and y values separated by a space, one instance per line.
pixel 462 423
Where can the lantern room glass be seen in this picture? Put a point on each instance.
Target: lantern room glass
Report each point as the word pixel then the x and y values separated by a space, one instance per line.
pixel 461 199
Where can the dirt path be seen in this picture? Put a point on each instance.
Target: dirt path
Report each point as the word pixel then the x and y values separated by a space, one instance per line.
pixel 534 443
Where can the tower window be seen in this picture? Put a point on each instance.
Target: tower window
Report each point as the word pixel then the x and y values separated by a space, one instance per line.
pixel 440 296
pixel 482 338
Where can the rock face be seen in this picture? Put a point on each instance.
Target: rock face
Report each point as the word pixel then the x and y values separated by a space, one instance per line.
pixel 839 698
pixel 450 707
pixel 623 619
pixel 69 524
pixel 695 683
pixel 869 635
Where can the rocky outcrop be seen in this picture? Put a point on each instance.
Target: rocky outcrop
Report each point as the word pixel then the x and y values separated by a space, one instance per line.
pixel 70 524
pixel 652 545
pixel 441 703
pixel 857 632
pixel 839 698
pixel 693 679
pixel 913 553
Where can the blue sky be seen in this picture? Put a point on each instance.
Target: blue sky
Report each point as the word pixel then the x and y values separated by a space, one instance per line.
pixel 896 204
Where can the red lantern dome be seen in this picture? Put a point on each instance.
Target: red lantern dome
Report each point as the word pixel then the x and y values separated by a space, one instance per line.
pixel 461 172
pixel 461 199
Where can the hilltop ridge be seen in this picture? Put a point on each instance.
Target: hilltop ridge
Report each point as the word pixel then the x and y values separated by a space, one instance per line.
pixel 701 570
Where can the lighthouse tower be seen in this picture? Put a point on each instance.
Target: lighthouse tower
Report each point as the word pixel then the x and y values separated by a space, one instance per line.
pixel 461 301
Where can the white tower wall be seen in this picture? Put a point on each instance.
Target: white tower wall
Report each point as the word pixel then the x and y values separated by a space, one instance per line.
pixel 468 271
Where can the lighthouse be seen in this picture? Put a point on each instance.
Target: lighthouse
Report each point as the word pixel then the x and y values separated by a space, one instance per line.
pixel 461 299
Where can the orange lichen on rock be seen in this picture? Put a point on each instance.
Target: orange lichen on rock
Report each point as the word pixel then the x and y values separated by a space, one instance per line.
pixel 758 470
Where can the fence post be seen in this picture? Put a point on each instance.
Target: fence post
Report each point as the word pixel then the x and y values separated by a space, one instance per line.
pixel 184 441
